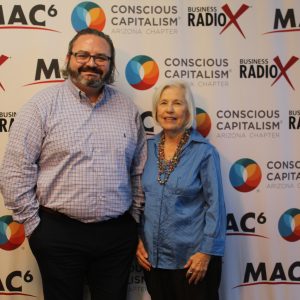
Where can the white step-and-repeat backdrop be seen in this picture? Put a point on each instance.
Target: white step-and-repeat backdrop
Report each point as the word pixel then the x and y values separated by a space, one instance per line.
pixel 241 59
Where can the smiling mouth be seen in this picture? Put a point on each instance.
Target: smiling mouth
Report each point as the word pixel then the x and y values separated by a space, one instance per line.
pixel 90 74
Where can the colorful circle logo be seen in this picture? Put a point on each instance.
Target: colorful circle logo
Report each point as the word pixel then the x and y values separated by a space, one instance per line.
pixel 245 175
pixel 203 122
pixel 142 72
pixel 12 234
pixel 88 15
pixel 289 225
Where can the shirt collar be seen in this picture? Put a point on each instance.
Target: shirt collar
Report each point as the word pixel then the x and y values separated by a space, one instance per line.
pixel 79 94
pixel 194 137
pixel 73 89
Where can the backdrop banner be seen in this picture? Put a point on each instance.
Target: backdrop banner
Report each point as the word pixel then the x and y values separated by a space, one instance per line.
pixel 241 59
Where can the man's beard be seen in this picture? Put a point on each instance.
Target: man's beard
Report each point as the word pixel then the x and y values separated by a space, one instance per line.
pixel 92 83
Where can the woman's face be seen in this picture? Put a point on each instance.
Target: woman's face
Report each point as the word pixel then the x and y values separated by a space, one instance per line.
pixel 172 110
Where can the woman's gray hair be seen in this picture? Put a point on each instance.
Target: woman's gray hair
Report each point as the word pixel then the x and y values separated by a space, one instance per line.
pixel 188 98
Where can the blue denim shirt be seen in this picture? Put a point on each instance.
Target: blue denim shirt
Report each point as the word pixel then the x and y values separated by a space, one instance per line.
pixel 187 214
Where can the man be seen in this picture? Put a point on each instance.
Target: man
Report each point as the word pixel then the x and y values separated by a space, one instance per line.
pixel 71 174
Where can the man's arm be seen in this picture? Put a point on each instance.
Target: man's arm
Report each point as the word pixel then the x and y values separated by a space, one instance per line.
pixel 19 172
pixel 137 170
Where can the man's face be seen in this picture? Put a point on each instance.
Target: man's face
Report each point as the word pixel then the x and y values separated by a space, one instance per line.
pixel 85 71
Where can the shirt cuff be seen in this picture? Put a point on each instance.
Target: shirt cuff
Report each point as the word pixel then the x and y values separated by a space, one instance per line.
pixel 31 224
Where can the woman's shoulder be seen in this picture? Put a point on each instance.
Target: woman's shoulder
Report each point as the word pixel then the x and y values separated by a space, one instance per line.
pixel 200 141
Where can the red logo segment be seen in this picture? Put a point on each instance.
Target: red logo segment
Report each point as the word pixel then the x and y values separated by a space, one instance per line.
pixel 3 59
pixel 233 17
pixel 283 69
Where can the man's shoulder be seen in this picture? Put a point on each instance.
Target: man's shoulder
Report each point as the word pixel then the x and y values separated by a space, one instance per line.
pixel 120 97
pixel 48 92
pixel 44 100
pixel 116 92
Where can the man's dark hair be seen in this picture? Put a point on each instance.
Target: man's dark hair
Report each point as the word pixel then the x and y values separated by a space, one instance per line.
pixel 112 66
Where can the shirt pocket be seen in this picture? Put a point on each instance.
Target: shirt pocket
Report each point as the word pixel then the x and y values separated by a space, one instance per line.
pixel 187 186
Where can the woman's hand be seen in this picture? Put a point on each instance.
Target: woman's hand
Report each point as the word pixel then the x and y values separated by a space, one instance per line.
pixel 196 267
pixel 142 256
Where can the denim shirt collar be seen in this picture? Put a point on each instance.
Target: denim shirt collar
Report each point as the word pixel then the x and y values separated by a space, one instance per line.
pixel 194 137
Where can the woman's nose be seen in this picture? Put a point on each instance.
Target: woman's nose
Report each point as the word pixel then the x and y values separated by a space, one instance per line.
pixel 170 107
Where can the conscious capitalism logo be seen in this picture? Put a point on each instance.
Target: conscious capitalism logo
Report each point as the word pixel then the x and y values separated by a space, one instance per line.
pixel 203 122
pixel 136 280
pixel 88 15
pixel 289 225
pixel 12 234
pixel 241 123
pixel 142 72
pixel 245 175
pixel 209 72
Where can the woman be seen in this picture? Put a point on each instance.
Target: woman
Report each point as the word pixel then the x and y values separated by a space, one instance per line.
pixel 183 228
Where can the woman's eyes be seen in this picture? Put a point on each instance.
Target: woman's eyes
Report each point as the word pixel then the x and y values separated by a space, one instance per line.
pixel 174 103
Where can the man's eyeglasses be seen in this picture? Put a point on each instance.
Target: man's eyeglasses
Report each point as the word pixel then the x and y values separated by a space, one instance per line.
pixel 84 57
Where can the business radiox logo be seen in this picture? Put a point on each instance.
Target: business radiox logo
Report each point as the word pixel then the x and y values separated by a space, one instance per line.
pixel 265 68
pixel 245 175
pixel 294 119
pixel 3 59
pixel 226 17
pixel 6 120
pixel 12 234
pixel 88 15
pixel 142 72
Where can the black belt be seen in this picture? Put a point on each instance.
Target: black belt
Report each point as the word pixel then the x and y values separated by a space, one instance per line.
pixel 52 211
pixel 57 213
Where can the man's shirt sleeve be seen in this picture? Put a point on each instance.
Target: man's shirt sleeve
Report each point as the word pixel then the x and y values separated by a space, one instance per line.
pixel 19 170
pixel 137 170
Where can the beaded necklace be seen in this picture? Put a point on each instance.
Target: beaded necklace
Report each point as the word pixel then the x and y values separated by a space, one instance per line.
pixel 165 167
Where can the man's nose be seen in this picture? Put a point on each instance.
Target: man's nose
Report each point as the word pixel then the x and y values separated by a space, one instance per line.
pixel 91 61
